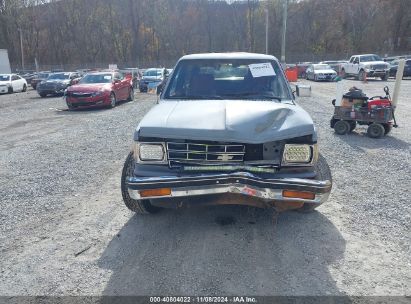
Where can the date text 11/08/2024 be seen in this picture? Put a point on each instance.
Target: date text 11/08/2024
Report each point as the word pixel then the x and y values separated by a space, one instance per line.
pixel 236 299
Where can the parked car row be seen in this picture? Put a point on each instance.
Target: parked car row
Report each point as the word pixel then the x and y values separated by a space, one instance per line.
pixel 358 66
pixel 10 83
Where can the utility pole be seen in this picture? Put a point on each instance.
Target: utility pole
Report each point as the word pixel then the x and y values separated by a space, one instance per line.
pixel 285 5
pixel 266 30
pixel 21 49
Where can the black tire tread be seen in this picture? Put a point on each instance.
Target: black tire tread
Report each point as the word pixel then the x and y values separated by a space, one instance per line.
pixel 137 206
pixel 323 173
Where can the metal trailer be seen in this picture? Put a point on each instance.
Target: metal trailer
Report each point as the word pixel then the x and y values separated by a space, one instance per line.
pixel 379 118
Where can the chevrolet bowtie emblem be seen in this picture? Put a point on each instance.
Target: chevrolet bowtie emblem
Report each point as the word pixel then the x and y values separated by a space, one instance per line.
pixel 225 157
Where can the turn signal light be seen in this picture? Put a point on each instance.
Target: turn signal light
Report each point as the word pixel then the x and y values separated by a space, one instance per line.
pixel 298 194
pixel 155 192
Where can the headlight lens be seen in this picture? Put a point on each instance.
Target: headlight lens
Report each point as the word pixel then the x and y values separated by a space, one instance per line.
pixel 98 93
pixel 298 154
pixel 150 152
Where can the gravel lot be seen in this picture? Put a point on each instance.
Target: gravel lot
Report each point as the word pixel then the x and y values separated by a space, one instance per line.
pixel 65 231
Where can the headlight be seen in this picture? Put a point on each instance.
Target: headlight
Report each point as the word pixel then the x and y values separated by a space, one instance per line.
pixel 299 154
pixel 150 152
pixel 99 93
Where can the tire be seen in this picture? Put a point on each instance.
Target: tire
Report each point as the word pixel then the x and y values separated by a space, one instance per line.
pixel 387 128
pixel 137 206
pixel 315 78
pixel 361 75
pixel 42 95
pixel 70 107
pixel 343 75
pixel 323 173
pixel 24 88
pixel 375 130
pixel 385 77
pixel 10 91
pixel 305 76
pixel 342 127
pixel 130 94
pixel 113 101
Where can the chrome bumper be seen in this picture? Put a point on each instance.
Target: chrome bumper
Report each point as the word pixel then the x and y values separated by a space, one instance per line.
pixel 243 183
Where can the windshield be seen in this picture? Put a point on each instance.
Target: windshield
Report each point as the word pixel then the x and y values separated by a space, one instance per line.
pixel 59 76
pixel 43 75
pixel 96 78
pixel 227 79
pixel 322 67
pixel 370 58
pixel 4 77
pixel 153 73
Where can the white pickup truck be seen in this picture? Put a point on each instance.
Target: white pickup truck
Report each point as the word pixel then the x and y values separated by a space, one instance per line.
pixel 367 65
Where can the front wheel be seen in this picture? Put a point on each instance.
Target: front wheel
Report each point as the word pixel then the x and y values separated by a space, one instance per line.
pixel 24 88
pixel 343 74
pixel 137 206
pixel 323 173
pixel 361 75
pixel 113 100
pixel 42 95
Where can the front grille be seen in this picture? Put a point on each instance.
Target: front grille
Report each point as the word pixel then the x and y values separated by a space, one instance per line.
pixel 205 153
pixel 49 86
pixel 378 66
pixel 78 94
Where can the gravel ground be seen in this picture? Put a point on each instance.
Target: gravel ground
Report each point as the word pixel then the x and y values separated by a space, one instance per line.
pixel 65 230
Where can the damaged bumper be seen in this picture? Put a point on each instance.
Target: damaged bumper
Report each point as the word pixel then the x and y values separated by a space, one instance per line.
pixel 242 183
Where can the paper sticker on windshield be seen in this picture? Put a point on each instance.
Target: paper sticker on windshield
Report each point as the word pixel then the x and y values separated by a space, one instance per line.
pixel 261 69
pixel 107 77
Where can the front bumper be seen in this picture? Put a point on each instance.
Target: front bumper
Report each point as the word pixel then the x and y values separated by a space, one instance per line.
pixel 325 77
pixel 57 91
pixel 242 183
pixel 88 102
pixel 376 73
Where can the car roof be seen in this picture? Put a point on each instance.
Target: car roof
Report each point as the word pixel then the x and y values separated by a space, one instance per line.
pixel 101 73
pixel 364 55
pixel 233 55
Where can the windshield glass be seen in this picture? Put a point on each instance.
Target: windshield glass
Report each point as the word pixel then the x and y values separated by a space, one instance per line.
pixel 322 67
pixel 43 75
pixel 153 73
pixel 370 58
pixel 96 78
pixel 227 79
pixel 59 76
pixel 4 77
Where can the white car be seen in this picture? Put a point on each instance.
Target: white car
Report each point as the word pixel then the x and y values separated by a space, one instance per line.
pixel 10 83
pixel 318 72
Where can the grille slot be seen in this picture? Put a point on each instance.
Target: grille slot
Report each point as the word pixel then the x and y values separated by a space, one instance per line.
pixel 378 67
pixel 205 153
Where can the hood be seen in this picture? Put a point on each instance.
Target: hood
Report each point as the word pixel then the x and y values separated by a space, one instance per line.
pixel 243 121
pixel 89 87
pixel 374 63
pixel 65 81
pixel 326 71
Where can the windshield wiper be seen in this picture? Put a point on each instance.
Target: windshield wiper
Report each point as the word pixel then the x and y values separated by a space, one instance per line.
pixel 254 95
